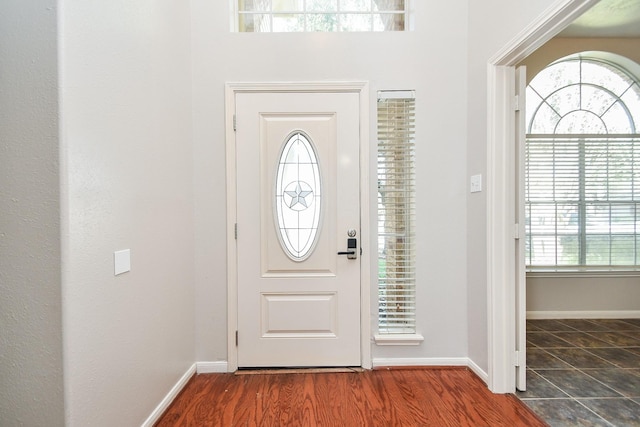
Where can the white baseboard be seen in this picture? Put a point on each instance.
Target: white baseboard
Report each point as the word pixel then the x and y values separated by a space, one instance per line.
pixel 164 404
pixel 212 367
pixel 221 367
pixel 484 376
pixel 420 361
pixel 435 361
pixel 613 314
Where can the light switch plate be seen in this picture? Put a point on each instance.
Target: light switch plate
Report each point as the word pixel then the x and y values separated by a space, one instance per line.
pixel 122 261
pixel 476 184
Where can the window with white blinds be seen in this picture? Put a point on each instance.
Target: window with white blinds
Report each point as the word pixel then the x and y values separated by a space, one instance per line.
pixel 321 15
pixel 396 212
pixel 582 167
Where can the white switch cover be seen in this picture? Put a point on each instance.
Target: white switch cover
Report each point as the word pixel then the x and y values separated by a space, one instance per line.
pixel 122 261
pixel 476 183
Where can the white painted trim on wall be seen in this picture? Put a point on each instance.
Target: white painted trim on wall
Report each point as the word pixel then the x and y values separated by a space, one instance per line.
pixel 360 87
pixel 381 362
pixel 501 304
pixel 398 339
pixel 593 314
pixel 479 371
pixel 164 404
pixel 212 367
pixel 386 362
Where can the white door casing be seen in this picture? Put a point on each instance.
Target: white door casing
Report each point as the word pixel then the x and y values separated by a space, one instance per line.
pixel 501 283
pixel 520 267
pixel 290 308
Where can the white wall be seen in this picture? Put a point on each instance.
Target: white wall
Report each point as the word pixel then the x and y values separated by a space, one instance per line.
pixel 127 174
pixel 492 25
pixel 553 297
pixel 31 378
pixel 584 296
pixel 431 60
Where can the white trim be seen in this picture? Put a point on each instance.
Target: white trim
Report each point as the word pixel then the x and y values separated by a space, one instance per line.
pixel 362 88
pixel 380 362
pixel 396 94
pixel 233 16
pixel 565 273
pixel 232 271
pixel 432 362
pixel 478 371
pixel 212 367
pixel 164 404
pixel 500 249
pixel 398 339
pixel 501 302
pixel 604 314
pixel 553 20
pixel 365 204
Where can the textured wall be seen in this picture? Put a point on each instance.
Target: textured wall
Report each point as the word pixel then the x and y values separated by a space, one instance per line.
pixel 31 379
pixel 127 168
pixel 492 25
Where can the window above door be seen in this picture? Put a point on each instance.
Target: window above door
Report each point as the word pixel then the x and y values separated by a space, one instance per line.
pixel 321 15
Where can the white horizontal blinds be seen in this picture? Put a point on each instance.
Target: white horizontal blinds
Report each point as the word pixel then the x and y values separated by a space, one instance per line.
pixel 396 212
pixel 321 15
pixel 582 201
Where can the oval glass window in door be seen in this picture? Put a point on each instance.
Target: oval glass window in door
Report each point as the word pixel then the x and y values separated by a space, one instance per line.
pixel 298 196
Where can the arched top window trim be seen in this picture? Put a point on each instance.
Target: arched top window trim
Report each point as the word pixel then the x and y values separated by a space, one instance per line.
pixel 554 102
pixel 604 89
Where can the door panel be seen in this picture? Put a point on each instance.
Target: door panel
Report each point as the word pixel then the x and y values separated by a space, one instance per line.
pixel 297 197
pixel 275 130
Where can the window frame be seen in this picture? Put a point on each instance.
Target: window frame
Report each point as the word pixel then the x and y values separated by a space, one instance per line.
pixel 583 202
pixel 396 175
pixel 407 19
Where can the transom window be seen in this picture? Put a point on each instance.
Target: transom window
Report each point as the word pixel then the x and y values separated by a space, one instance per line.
pixel 321 15
pixel 582 166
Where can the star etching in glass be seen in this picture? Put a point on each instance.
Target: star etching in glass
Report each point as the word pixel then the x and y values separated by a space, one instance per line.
pixel 298 195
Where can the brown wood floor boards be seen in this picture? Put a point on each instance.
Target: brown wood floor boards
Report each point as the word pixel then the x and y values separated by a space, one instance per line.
pixel 385 397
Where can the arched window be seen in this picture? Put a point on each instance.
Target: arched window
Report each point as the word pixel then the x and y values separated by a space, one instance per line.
pixel 582 166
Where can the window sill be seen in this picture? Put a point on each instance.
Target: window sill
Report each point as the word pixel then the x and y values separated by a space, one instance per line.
pixel 398 339
pixel 565 272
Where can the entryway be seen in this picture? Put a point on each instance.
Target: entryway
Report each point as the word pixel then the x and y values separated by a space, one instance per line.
pixel 298 234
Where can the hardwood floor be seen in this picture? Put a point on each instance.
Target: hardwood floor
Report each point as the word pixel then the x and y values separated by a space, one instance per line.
pixel 382 397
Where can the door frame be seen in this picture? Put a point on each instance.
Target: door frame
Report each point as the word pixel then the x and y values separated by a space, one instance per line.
pixel 362 89
pixel 500 214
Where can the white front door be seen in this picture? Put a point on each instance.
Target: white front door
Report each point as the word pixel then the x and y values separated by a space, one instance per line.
pixel 298 193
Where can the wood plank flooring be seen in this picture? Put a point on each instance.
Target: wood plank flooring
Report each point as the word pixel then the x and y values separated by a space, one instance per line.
pixel 382 397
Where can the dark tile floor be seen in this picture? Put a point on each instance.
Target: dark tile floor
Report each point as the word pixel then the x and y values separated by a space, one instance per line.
pixel 584 372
